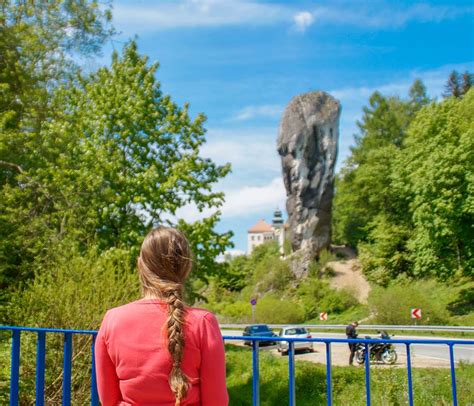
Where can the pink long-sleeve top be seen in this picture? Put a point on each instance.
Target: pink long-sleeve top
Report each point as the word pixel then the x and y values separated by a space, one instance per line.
pixel 133 363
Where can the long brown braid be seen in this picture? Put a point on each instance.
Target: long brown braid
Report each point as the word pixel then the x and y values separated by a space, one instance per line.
pixel 164 264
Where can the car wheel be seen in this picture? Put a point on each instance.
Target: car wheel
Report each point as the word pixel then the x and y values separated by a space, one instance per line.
pixel 283 353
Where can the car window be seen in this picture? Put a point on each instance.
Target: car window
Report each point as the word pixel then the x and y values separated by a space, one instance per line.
pixel 296 331
pixel 259 329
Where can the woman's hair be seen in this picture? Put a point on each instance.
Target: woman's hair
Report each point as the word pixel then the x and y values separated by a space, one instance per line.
pixel 163 266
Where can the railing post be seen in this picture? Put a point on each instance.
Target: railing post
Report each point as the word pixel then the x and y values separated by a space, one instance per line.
pixel 328 374
pixel 453 374
pixel 94 394
pixel 15 368
pixel 367 373
pixel 291 373
pixel 40 362
pixel 410 381
pixel 67 369
pixel 256 373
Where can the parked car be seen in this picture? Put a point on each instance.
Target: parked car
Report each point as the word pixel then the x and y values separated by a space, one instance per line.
pixel 259 330
pixel 295 332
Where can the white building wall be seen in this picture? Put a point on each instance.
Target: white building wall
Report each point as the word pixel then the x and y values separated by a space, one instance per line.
pixel 255 239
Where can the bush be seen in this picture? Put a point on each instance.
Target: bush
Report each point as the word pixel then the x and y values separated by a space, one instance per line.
pixel 273 310
pixel 239 311
pixel 272 274
pixel 317 296
pixel 391 305
pixel 73 290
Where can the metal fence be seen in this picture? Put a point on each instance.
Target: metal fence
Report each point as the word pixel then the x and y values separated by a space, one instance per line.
pixel 374 327
pixel 67 363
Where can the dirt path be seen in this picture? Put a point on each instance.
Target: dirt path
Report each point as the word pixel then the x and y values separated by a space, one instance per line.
pixel 348 274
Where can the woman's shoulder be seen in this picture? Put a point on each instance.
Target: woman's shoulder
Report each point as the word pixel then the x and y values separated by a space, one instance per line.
pixel 200 314
pixel 132 307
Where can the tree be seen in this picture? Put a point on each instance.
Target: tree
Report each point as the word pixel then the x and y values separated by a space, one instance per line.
pixel 404 197
pixel 117 158
pixel 436 172
pixel 363 187
pixel 467 82
pixel 453 87
pixel 37 42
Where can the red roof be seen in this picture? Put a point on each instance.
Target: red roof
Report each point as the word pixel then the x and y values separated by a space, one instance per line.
pixel 261 227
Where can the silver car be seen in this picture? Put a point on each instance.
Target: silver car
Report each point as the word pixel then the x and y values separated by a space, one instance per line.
pixel 294 332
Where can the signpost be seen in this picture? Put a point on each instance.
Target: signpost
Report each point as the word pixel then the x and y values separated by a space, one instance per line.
pixel 323 316
pixel 253 302
pixel 416 313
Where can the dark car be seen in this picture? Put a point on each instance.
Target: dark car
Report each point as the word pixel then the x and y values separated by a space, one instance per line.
pixel 259 330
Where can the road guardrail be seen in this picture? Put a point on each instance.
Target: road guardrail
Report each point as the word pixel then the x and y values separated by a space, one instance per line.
pixel 458 329
pixel 16 333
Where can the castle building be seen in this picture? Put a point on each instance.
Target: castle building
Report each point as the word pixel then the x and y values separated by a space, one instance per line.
pixel 262 232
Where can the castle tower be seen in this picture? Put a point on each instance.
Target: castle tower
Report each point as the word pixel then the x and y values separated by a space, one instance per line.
pixel 278 226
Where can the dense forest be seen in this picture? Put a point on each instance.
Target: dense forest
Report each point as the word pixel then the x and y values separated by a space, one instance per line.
pixel 405 196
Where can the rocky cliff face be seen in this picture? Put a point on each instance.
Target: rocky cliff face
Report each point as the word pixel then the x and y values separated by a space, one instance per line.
pixel 307 144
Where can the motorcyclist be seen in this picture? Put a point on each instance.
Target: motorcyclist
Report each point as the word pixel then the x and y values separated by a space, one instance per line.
pixel 352 333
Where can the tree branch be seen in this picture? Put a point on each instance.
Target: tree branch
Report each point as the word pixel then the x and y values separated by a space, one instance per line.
pixel 11 165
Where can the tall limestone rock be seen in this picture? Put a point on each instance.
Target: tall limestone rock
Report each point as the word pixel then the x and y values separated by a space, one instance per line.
pixel 307 143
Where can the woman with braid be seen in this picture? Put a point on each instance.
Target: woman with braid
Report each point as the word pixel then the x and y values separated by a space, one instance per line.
pixel 157 351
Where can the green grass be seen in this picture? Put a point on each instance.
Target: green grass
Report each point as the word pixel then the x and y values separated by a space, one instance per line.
pixel 389 385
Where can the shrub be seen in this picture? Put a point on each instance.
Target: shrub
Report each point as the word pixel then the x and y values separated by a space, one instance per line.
pixel 272 274
pixel 72 291
pixel 239 311
pixel 273 310
pixel 317 296
pixel 392 304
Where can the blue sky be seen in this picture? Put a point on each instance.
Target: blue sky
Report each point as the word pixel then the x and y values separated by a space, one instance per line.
pixel 240 62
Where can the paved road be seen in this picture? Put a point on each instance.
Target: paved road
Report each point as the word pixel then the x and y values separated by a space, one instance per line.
pixel 439 354
pixel 434 351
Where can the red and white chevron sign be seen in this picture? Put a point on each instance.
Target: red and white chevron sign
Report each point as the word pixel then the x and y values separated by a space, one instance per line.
pixel 416 313
pixel 323 316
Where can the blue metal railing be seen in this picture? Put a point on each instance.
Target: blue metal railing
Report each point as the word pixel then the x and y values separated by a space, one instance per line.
pixel 68 350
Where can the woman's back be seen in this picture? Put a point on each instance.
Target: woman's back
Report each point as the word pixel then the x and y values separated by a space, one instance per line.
pixel 132 355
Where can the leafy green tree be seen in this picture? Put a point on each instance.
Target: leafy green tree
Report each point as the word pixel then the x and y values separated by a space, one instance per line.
pixel 453 86
pixel 363 187
pixel 436 172
pixel 37 42
pixel 467 82
pixel 118 157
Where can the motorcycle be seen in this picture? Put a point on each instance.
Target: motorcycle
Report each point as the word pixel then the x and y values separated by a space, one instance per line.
pixel 381 352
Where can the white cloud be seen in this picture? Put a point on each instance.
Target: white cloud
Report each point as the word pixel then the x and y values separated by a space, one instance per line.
pixel 155 16
pixel 196 13
pixel 251 151
pixel 242 201
pixel 265 110
pixel 303 20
